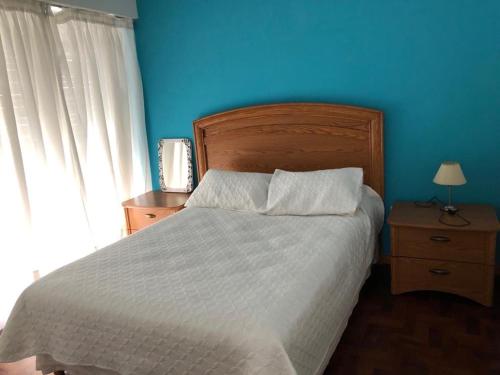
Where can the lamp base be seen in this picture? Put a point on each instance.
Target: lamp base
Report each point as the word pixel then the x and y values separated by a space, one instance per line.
pixel 449 209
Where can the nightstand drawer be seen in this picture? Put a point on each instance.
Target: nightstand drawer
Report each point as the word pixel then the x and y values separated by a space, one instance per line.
pixel 142 217
pixel 441 244
pixel 466 279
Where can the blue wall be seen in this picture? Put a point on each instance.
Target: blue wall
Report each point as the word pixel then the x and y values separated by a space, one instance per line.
pixel 432 66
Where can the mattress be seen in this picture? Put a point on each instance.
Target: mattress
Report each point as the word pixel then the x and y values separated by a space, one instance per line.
pixel 206 291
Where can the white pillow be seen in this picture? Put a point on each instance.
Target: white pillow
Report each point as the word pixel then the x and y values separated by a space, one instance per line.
pixel 241 191
pixel 326 192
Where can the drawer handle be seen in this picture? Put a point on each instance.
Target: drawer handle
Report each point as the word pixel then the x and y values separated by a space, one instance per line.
pixel 440 238
pixel 151 216
pixel 439 271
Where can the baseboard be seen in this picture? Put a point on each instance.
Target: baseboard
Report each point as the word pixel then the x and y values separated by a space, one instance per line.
pixel 384 259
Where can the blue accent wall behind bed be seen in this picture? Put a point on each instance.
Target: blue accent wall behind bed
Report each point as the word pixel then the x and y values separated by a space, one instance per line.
pixel 432 66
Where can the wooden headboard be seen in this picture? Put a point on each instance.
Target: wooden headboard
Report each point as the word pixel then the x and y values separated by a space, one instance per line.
pixel 294 137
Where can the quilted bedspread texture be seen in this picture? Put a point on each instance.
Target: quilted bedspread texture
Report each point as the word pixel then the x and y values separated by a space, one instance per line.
pixel 206 291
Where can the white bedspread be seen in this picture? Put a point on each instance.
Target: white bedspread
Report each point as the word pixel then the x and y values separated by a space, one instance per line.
pixel 207 291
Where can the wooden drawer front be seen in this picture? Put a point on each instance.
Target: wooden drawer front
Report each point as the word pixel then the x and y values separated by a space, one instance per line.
pixel 140 218
pixel 441 244
pixel 469 280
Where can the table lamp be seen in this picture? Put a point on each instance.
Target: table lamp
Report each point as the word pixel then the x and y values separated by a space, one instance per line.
pixel 450 174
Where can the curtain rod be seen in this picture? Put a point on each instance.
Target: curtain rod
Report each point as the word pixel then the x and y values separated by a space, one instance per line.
pixel 47 4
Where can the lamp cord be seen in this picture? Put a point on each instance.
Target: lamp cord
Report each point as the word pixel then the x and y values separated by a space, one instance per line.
pixel 435 200
pixel 465 223
pixel 429 202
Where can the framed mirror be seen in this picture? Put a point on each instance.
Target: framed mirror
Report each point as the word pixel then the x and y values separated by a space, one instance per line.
pixel 175 163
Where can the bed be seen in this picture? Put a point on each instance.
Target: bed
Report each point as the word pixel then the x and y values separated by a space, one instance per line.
pixel 212 291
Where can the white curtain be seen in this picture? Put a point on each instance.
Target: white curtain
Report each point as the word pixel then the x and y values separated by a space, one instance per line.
pixel 72 138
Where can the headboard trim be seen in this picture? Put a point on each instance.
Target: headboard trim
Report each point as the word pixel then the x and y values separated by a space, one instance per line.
pixel 292 136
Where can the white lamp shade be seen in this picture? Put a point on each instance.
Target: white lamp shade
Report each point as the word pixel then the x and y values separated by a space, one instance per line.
pixel 450 173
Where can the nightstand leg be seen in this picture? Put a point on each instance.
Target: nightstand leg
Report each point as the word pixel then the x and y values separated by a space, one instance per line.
pixel 394 278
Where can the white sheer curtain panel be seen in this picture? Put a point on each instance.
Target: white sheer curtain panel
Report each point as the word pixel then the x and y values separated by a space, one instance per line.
pixel 72 138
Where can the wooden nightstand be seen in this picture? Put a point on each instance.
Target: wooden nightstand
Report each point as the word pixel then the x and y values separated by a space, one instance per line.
pixel 428 255
pixel 148 208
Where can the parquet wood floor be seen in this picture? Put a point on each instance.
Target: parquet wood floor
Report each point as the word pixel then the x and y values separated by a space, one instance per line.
pixel 422 333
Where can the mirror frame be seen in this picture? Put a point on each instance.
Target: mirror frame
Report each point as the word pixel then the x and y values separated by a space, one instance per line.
pixel 189 150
